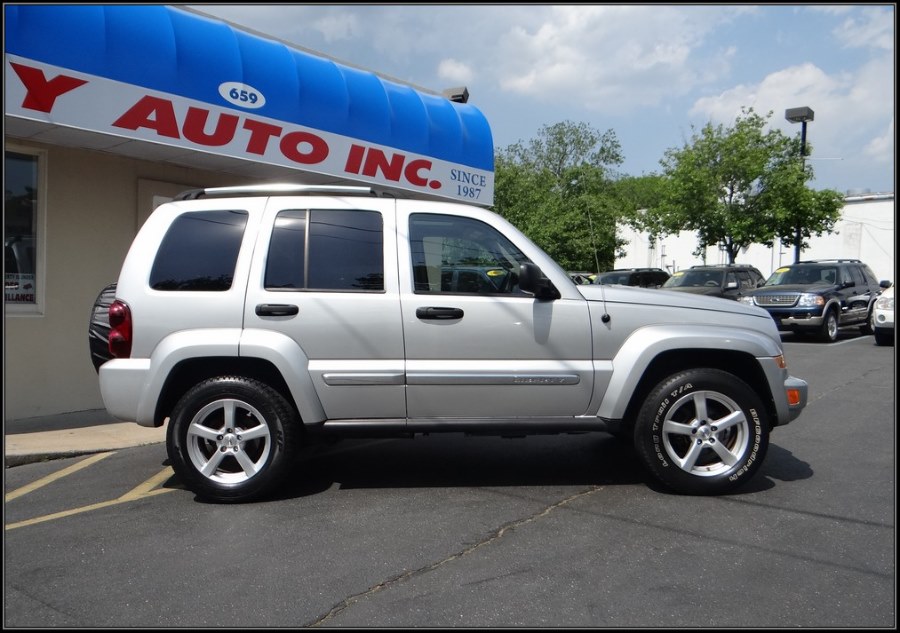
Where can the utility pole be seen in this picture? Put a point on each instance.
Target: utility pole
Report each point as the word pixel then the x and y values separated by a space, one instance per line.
pixel 801 116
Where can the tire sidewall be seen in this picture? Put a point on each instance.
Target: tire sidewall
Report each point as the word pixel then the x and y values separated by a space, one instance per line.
pixel 277 415
pixel 649 435
pixel 826 330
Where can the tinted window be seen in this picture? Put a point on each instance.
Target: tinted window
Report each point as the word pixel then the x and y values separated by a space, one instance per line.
pixel 199 251
pixel 871 279
pixel 454 254
pixel 326 250
pixel 852 273
pixel 286 263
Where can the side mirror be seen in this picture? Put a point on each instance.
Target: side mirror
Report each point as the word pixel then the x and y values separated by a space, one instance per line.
pixel 532 280
pixel 885 284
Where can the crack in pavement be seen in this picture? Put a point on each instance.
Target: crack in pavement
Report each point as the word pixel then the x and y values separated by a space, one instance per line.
pixel 497 535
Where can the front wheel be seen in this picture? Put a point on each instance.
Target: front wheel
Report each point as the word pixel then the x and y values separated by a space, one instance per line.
pixel 869 326
pixel 232 439
pixel 702 431
pixel 829 331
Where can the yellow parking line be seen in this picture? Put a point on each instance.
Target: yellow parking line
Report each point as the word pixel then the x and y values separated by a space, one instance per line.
pixel 40 483
pixel 146 489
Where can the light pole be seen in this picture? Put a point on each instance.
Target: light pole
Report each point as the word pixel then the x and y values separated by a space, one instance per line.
pixel 801 116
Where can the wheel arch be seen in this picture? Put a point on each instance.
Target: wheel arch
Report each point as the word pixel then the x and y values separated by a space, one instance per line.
pixel 192 371
pixel 740 364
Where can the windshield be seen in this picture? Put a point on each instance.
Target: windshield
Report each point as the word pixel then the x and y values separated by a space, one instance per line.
pixel 803 276
pixel 695 279
pixel 613 278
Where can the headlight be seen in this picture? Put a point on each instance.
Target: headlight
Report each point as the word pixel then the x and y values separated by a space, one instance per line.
pixel 808 300
pixel 747 300
pixel 884 303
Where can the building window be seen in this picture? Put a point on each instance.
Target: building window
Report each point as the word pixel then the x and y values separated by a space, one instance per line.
pixel 23 239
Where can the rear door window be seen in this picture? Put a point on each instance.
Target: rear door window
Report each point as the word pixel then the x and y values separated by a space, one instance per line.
pixel 326 250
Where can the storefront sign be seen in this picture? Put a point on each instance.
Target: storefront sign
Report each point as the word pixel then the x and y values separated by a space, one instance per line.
pixel 52 94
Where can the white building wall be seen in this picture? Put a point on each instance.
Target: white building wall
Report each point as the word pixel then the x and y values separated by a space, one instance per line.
pixel 865 232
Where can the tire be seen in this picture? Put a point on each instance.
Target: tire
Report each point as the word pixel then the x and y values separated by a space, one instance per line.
pixel 884 336
pixel 98 327
pixel 692 419
pixel 232 439
pixel 829 331
pixel 869 326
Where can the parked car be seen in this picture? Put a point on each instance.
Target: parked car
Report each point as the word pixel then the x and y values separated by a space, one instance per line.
pixel 253 320
pixel 883 318
pixel 643 277
pixel 820 297
pixel 729 281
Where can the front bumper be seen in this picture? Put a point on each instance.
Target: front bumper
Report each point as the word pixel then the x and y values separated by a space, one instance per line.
pixel 797 392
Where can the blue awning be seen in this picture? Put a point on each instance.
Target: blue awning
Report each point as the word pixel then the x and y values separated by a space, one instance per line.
pixel 183 60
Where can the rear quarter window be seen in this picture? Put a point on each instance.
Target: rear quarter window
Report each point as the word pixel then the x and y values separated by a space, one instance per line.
pixel 199 251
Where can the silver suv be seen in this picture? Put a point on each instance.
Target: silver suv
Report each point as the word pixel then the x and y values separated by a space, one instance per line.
pixel 257 319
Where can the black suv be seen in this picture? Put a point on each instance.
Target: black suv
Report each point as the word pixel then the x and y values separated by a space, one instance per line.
pixel 730 281
pixel 820 296
pixel 643 277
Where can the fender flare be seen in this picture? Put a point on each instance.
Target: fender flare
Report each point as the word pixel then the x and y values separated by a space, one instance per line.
pixel 278 349
pixel 645 344
pixel 291 362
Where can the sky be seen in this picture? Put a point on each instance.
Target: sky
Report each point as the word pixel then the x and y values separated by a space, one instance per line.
pixel 653 74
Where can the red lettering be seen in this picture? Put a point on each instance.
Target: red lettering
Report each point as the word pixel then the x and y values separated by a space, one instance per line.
pixel 412 172
pixel 140 115
pixel 290 147
pixel 354 159
pixel 260 133
pixel 194 128
pixel 42 94
pixel 377 161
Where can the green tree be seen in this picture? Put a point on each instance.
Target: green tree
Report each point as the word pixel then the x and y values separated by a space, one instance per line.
pixel 795 209
pixel 557 189
pixel 740 185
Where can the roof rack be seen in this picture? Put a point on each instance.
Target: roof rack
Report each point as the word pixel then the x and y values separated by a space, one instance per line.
pixel 823 261
pixel 729 265
pixel 277 188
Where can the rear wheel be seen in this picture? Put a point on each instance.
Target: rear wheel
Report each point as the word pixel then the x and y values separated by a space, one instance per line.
pixel 702 431
pixel 232 439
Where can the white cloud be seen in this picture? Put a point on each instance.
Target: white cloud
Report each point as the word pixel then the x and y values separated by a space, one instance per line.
pixel 455 71
pixel 612 57
pixel 874 29
pixel 338 26
pixel 881 149
pixel 853 112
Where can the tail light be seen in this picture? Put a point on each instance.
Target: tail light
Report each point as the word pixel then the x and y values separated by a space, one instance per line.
pixel 119 329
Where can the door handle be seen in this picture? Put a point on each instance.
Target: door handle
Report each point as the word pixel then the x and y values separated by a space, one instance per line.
pixel 439 313
pixel 276 309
